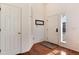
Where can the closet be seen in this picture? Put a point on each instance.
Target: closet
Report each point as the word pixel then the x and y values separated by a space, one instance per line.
pixel 10 29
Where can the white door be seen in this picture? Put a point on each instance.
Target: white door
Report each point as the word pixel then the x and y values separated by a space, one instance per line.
pixel 53 36
pixel 10 29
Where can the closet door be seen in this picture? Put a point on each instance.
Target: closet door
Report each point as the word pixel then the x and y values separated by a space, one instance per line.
pixel 10 29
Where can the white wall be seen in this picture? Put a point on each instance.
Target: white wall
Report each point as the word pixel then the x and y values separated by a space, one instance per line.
pixel 72 12
pixel 37 30
pixel 72 34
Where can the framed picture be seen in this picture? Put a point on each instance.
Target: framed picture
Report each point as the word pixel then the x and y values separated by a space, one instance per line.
pixel 39 22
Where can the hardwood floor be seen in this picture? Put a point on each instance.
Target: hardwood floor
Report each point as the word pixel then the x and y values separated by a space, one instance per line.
pixel 39 49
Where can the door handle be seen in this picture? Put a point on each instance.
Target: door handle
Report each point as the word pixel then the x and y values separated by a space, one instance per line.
pixel 0 29
pixel 0 50
pixel 19 32
pixel 56 29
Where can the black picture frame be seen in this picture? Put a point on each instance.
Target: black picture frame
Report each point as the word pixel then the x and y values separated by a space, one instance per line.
pixel 39 22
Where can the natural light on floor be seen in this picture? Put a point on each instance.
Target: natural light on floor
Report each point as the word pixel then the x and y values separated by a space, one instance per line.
pixel 57 52
pixel 63 53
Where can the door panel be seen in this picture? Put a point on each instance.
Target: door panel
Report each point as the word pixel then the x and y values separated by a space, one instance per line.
pixel 11 29
pixel 52 27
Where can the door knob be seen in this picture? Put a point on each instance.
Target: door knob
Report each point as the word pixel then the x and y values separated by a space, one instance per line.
pixel 0 50
pixel 56 29
pixel 0 29
pixel 19 32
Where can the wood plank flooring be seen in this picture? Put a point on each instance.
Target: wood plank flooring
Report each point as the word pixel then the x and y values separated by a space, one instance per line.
pixel 39 49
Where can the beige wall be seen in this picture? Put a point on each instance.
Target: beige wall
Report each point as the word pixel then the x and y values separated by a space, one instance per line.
pixel 72 12
pixel 72 35
pixel 37 30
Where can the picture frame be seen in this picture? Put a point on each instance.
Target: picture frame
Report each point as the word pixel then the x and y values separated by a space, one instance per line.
pixel 39 22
